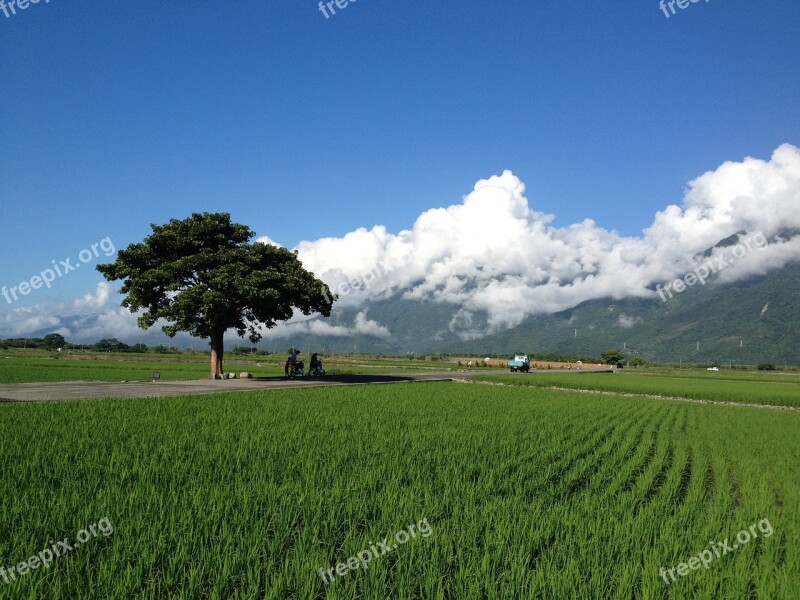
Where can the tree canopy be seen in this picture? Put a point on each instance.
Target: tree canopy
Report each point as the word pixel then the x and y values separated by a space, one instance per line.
pixel 612 357
pixel 203 275
pixel 53 341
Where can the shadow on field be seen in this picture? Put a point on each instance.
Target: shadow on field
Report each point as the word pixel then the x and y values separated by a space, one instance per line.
pixel 342 379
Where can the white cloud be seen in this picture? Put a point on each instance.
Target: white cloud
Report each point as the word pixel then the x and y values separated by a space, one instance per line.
pixel 268 240
pixel 103 293
pixel 22 321
pixel 316 326
pixel 627 322
pixel 760 261
pixel 51 315
pixel 493 252
pixel 365 326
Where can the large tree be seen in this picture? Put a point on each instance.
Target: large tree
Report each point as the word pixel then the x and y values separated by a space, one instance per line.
pixel 204 276
pixel 53 341
pixel 612 357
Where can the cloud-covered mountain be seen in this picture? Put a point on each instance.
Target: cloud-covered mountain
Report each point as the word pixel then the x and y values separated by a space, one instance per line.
pixel 494 254
pixel 490 262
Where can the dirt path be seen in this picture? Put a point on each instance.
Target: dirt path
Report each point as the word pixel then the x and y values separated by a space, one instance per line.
pixel 75 390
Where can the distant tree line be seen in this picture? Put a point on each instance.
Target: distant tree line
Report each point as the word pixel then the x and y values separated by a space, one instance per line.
pixel 540 356
pixel 56 341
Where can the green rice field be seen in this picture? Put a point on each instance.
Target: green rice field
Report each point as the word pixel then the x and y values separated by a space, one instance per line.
pixel 527 492
pixel 778 389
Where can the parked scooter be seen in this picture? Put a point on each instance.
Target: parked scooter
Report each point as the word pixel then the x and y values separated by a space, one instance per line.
pixel 296 370
pixel 315 368
pixel 317 371
pixel 293 367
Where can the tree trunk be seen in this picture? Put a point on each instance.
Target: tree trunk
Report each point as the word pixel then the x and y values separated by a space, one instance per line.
pixel 216 354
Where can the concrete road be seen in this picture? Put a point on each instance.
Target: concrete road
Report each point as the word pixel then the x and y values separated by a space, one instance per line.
pixel 73 390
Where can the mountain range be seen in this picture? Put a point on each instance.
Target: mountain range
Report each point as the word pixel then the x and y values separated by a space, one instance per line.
pixel 747 322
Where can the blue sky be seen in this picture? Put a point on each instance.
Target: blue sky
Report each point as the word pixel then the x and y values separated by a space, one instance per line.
pixel 120 114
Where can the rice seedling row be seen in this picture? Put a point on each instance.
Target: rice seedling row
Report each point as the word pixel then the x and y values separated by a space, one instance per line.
pixel 529 493
pixel 767 391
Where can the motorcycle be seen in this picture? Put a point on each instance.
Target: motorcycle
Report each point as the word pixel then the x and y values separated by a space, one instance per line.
pixel 296 370
pixel 317 370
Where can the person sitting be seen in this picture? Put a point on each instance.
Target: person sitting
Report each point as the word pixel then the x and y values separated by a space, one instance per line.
pixel 314 362
pixel 291 362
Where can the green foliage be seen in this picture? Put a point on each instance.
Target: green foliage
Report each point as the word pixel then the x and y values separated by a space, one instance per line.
pixel 529 494
pixel 244 351
pixel 162 349
pixel 612 357
pixel 23 343
pixel 637 362
pixel 110 345
pixel 766 367
pixel 53 341
pixel 203 276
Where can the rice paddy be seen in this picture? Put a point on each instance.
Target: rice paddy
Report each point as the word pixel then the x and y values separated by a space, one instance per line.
pixel 529 493
pixel 748 388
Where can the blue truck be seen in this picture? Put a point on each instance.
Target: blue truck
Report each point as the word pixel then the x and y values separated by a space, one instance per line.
pixel 520 363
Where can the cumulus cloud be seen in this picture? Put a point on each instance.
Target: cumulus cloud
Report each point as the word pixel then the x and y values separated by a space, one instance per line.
pixel 365 326
pixel 22 321
pixel 102 294
pixel 492 252
pixel 497 260
pixel 749 257
pixel 65 317
pixel 627 322
pixel 264 239
pixel 316 326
